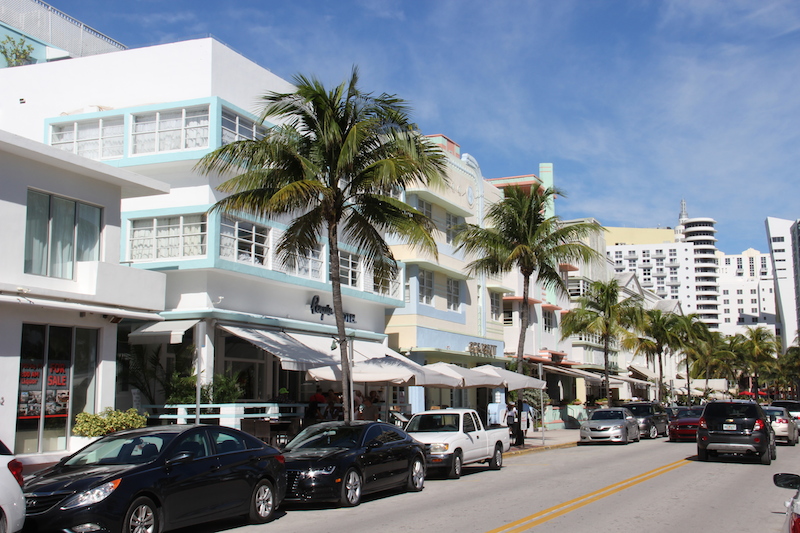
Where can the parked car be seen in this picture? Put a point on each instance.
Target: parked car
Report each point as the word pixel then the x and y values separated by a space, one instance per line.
pixel 12 502
pixel 158 478
pixel 790 481
pixel 342 461
pixel 783 424
pixel 684 425
pixel 735 426
pixel 652 417
pixel 616 424
pixel 793 406
pixel 457 437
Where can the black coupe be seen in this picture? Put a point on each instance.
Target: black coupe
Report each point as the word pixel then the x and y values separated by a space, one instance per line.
pixel 341 461
pixel 157 478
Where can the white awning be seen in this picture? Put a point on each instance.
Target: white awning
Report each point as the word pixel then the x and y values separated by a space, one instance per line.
pixel 643 370
pixel 574 372
pixel 396 370
pixel 111 312
pixel 293 354
pixel 168 331
pixel 634 381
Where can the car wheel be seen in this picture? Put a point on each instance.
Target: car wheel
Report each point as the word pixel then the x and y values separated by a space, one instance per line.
pixel 638 435
pixel 766 457
pixel 3 523
pixel 351 488
pixel 141 517
pixel 624 439
pixel 416 475
pixel 496 462
pixel 773 454
pixel 262 503
pixel 653 433
pixel 455 467
pixel 702 454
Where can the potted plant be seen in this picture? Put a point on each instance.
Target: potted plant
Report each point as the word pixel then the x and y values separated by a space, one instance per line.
pixel 90 426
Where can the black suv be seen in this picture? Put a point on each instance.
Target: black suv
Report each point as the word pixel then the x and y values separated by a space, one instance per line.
pixel 735 426
pixel 653 418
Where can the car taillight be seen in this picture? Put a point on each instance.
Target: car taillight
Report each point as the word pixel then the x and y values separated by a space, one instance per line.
pixel 16 470
pixel 702 423
pixel 759 425
pixel 795 524
pixel 781 420
pixel 280 459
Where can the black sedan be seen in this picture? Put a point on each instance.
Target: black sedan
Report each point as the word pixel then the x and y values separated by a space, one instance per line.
pixel 341 461
pixel 157 478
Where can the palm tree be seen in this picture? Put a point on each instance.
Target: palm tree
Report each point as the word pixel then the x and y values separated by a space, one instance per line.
pixel 601 312
pixel 760 349
pixel 332 169
pixel 713 357
pixel 521 236
pixel 659 335
pixel 689 334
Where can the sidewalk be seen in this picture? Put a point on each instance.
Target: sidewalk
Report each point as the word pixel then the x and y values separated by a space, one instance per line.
pixel 553 439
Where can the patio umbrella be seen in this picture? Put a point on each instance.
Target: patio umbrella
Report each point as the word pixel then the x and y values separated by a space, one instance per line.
pixel 389 369
pixel 470 378
pixel 511 380
pixel 746 393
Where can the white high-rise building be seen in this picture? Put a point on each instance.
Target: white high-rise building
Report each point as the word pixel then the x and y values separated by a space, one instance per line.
pixel 783 247
pixel 747 292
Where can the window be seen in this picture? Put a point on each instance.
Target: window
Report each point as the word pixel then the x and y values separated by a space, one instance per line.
pixel 95 139
pixel 425 207
pixel 388 287
pixel 56 382
pixel 618 254
pixel 237 128
pixel 548 320
pixel 453 294
pixel 349 269
pixel 753 291
pixel 726 302
pixel 496 305
pixel 309 265
pixel 168 237
pixel 59 232
pixel 170 130
pixel 753 300
pixel 451 226
pixel 777 239
pixel 244 242
pixel 738 291
pixel 740 301
pixel 425 280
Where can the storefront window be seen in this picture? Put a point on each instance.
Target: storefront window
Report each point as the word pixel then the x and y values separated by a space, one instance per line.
pixel 56 363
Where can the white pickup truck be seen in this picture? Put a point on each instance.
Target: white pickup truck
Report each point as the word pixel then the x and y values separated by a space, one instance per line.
pixel 456 437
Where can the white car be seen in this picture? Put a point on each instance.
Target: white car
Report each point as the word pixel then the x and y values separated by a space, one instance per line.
pixel 12 502
pixel 790 481
pixel 783 424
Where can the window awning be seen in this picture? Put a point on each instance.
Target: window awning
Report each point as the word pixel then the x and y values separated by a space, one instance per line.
pixel 293 354
pixel 643 370
pixel 574 372
pixel 166 332
pixel 634 381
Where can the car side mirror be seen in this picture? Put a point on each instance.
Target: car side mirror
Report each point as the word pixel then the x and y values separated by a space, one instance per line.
pixel 787 481
pixel 180 458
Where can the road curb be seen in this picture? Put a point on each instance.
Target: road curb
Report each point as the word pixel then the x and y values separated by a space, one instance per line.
pixel 534 449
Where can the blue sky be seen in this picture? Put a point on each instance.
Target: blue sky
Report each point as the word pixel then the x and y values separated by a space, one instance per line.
pixel 638 104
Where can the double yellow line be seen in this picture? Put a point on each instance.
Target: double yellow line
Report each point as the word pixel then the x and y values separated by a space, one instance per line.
pixel 541 517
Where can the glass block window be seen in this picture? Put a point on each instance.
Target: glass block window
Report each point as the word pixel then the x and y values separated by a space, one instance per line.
pixel 170 130
pixel 168 237
pixel 96 139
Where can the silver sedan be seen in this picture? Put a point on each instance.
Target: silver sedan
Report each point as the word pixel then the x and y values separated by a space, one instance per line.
pixel 615 424
pixel 783 424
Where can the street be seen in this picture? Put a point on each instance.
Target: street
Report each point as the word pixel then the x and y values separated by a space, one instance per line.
pixel 653 486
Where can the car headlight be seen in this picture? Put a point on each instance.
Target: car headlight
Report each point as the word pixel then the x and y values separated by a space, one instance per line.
pixel 439 447
pixel 320 471
pixel 618 426
pixel 91 496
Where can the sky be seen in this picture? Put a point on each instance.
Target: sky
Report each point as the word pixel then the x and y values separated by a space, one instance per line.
pixel 638 103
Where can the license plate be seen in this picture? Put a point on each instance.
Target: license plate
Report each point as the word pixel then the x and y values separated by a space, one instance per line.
pixel 729 427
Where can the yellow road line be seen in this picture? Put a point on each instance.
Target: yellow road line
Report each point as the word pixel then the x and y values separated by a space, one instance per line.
pixel 541 517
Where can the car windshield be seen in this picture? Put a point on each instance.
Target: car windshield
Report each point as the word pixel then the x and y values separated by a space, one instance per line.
pixel 773 411
pixel 607 415
pixel 121 450
pixel 433 422
pixel 640 410
pixel 321 436
pixel 695 412
pixel 731 410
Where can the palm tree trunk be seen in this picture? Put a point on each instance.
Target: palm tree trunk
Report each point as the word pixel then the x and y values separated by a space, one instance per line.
pixel 524 314
pixel 338 313
pixel 659 392
pixel 606 345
